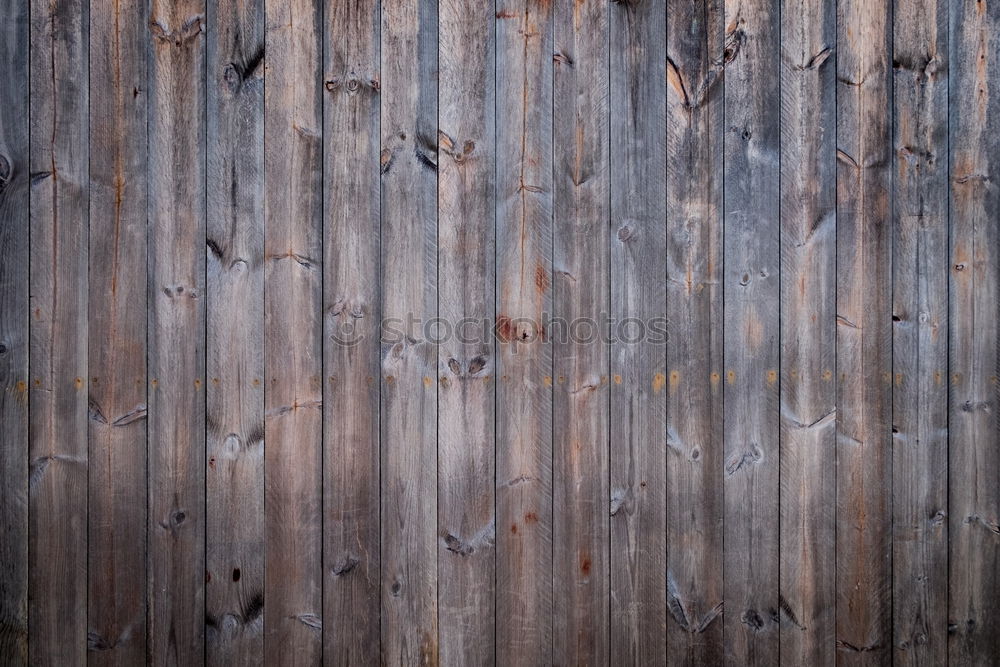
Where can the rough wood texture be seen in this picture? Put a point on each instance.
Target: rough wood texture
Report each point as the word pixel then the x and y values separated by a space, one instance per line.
pixel 14 331
pixel 116 626
pixel 57 473
pixel 524 352
pixel 695 52
pixel 638 362
pixel 176 334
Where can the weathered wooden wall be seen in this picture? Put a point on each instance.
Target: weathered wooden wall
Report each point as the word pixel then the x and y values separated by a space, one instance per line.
pixel 229 435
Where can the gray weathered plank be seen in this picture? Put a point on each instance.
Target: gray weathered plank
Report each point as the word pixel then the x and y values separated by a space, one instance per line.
pixel 974 332
pixel 409 296
pixel 695 43
pixel 751 330
pixel 580 284
pixel 638 306
pixel 352 351
pixel 524 352
pixel 808 333
pixel 234 413
pixel 57 526
pixel 864 331
pixel 176 332
pixel 293 330
pixel 920 333
pixel 116 626
pixel 466 273
pixel 14 184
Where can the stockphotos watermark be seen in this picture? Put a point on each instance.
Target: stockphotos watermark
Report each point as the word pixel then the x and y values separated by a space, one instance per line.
pixel 605 330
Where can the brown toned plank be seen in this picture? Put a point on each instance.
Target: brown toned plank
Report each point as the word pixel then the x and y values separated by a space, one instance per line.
pixel 176 333
pixel 116 627
pixel 57 526
pixel 524 353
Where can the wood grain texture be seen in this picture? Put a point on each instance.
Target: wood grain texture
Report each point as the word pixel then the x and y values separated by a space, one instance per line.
pixel 807 603
pixel 14 184
pixel 524 110
pixel 58 470
pixel 293 334
pixel 864 332
pixel 176 132
pixel 974 331
pixel 466 299
pixel 116 626
pixel 409 296
pixel 695 458
pixel 352 350
pixel 580 351
pixel 638 362
pixel 920 333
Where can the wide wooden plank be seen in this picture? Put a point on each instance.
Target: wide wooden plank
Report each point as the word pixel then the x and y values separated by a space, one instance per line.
pixel 920 333
pixel 293 330
pixel 638 45
pixel 580 351
pixel 466 272
pixel 352 351
pixel 176 333
pixel 864 332
pixel 806 561
pixel 524 352
pixel 14 331
pixel 974 332
pixel 116 626
pixel 695 105
pixel 59 168
pixel 409 297
pixel 234 604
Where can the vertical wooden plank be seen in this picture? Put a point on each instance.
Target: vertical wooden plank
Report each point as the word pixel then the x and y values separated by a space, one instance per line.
pixel 524 351
pixel 751 330
pixel 234 413
pixel 409 294
pixel 638 161
pixel 864 332
pixel 466 272
pixel 293 291
pixel 352 352
pixel 117 497
pixel 920 333
pixel 176 332
pixel 581 265
pixel 14 331
pixel 974 327
pixel 57 530
pixel 808 332
pixel 694 316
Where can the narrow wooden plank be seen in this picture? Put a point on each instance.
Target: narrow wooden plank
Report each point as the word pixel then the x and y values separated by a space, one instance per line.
pixel 352 352
pixel 57 526
pixel 638 307
pixel 293 330
pixel 234 413
pixel 524 352
pixel 176 332
pixel 694 316
pixel 116 627
pixel 751 330
pixel 580 351
pixel 409 295
pixel 808 491
pixel 974 331
pixel 920 333
pixel 14 228
pixel 864 332
pixel 466 279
